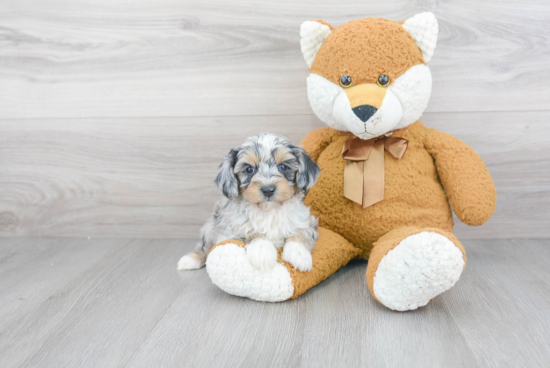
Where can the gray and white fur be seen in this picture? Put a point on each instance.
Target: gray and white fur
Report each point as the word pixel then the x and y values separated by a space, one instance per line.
pixel 264 182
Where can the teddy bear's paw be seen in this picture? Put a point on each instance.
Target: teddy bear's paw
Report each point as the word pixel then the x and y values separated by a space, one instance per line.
pixel 262 254
pixel 229 268
pixel 418 269
pixel 298 256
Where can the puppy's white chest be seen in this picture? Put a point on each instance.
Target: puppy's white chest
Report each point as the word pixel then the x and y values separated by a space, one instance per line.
pixel 276 224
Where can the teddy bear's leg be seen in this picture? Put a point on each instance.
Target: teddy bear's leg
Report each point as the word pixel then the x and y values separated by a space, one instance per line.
pixel 408 267
pixel 230 269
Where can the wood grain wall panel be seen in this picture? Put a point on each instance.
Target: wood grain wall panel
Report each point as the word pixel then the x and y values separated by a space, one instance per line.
pixel 114 115
pixel 153 177
pixel 148 177
pixel 209 58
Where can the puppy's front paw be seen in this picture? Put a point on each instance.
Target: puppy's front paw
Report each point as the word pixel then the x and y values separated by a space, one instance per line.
pixel 262 254
pixel 297 255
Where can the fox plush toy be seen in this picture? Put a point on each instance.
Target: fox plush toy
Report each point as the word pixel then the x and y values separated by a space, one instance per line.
pixel 387 182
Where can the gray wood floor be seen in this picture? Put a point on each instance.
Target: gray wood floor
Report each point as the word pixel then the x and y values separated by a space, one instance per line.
pixel 68 302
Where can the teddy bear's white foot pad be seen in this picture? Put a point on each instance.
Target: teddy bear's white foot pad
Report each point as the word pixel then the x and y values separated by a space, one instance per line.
pixel 418 269
pixel 229 269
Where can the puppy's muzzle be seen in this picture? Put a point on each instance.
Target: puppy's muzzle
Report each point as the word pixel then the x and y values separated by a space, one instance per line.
pixel 268 190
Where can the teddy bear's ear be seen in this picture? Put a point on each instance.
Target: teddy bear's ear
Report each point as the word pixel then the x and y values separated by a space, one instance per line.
pixel 423 28
pixel 313 34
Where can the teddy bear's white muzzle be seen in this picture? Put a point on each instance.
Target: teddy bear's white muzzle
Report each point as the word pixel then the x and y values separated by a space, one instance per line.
pixel 384 119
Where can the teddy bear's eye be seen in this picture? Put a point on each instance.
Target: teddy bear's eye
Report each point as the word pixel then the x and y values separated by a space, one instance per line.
pixel 383 80
pixel 345 80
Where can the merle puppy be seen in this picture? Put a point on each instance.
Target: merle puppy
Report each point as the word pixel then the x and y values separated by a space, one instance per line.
pixel 264 182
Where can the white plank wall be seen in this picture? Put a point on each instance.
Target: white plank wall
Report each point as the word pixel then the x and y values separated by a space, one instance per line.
pixel 114 115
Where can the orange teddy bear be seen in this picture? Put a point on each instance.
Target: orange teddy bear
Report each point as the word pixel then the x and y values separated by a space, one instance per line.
pixel 387 182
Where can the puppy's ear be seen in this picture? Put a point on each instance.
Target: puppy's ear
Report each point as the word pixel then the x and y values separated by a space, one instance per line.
pixel 308 171
pixel 226 180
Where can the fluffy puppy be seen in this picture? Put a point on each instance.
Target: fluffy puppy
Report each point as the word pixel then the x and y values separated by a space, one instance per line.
pixel 264 182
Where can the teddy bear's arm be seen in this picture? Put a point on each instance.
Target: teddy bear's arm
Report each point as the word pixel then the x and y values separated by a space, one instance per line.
pixel 464 176
pixel 316 141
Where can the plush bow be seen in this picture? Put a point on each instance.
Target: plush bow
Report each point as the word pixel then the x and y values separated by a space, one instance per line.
pixel 364 172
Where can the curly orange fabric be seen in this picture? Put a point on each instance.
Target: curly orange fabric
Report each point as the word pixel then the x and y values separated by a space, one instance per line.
pixel 366 48
pixel 415 187
pixel 317 140
pixel 464 176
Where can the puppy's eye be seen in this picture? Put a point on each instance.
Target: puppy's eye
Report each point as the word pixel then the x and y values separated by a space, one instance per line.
pixel 282 167
pixel 345 80
pixel 250 170
pixel 383 80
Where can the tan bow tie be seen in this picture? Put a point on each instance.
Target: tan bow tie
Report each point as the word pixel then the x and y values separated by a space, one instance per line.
pixel 364 172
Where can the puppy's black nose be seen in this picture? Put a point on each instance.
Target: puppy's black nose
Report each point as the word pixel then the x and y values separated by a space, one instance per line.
pixel 364 112
pixel 268 190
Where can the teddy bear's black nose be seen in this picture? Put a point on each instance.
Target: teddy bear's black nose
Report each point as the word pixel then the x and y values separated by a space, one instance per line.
pixel 364 112
pixel 268 190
